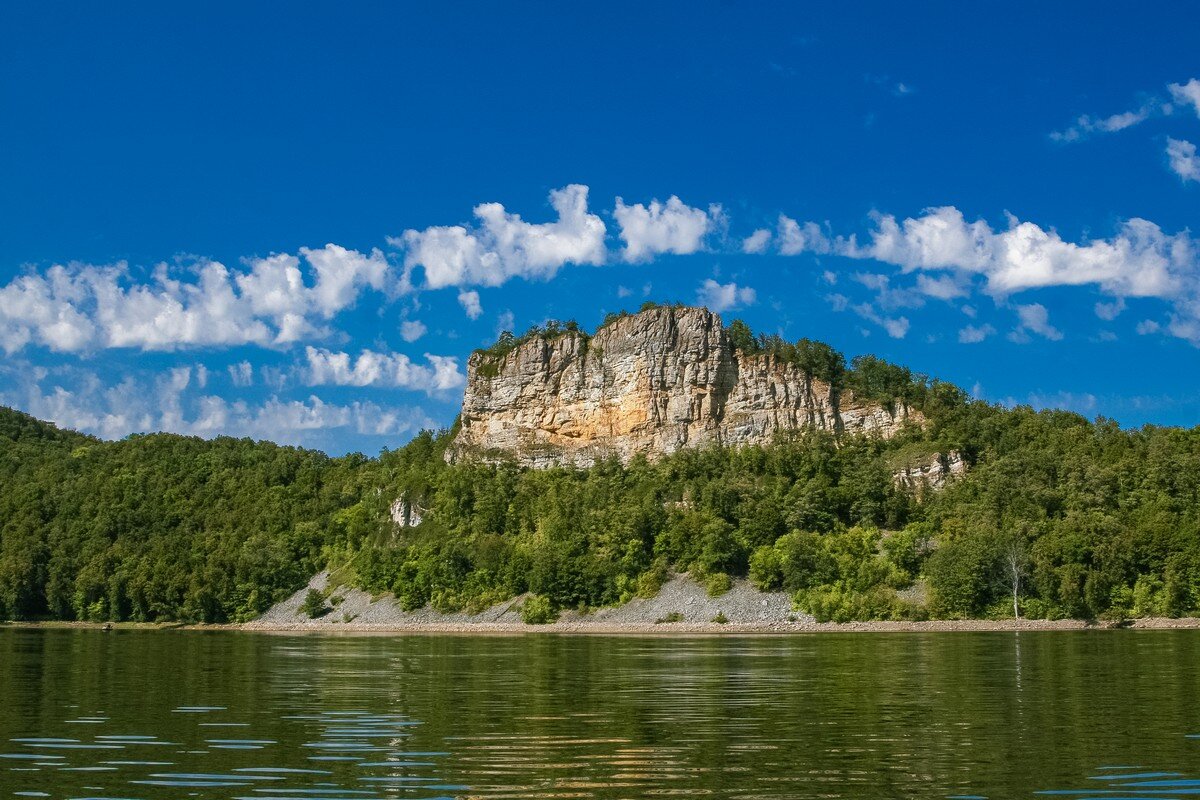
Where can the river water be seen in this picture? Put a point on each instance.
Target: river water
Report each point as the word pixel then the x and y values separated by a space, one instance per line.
pixel 176 714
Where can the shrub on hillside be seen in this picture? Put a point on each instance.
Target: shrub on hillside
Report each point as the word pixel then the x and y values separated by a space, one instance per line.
pixel 537 610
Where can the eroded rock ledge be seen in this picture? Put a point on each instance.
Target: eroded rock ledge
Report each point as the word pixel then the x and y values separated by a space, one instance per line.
pixel 651 383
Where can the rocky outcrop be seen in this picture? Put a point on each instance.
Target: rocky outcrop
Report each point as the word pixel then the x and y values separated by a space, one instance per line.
pixel 933 473
pixel 406 513
pixel 651 383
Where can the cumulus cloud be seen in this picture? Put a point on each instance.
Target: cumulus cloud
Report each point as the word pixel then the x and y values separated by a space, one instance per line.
pixel 1181 155
pixel 757 242
pixel 1187 94
pixel 670 227
pixel 1139 261
pixel 82 401
pixel 951 255
pixel 82 307
pixel 341 274
pixel 1110 311
pixel 1034 318
pixel 896 327
pixel 502 246
pixel 299 421
pixel 795 238
pixel 972 334
pixel 392 370
pixel 412 329
pixel 470 303
pixel 887 297
pixel 724 296
pixel 942 287
pixel 1147 327
pixel 838 302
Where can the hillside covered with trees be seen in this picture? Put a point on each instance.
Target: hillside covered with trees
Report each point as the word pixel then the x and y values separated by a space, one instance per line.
pixel 1057 516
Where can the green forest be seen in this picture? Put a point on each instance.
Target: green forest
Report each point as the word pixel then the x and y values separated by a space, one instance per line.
pixel 1056 516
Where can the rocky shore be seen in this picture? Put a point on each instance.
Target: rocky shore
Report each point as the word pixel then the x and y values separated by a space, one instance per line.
pixel 682 607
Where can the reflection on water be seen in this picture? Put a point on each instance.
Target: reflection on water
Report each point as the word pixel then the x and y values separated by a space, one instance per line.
pixel 145 715
pixel 193 760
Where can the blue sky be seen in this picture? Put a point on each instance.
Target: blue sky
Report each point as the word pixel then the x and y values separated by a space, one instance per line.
pixel 295 222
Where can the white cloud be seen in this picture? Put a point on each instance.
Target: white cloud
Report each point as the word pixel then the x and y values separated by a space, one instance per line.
pixel 241 373
pixel 896 88
pixel 412 329
pixel 1140 261
pixel 1079 403
pixel 82 401
pixel 757 242
pixel 670 227
pixel 81 307
pixel 838 302
pixel 1110 311
pixel 896 327
pixel 393 370
pixel 886 297
pixel 795 238
pixel 505 322
pixel 1181 155
pixel 341 274
pixel 299 421
pixel 504 246
pixel 724 296
pixel 942 287
pixel 1187 94
pixel 972 334
pixel 1034 318
pixel 469 300
pixel 275 377
pixel 1147 326
pixel 1086 124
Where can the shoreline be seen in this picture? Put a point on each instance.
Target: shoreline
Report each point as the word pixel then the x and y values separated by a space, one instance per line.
pixel 576 627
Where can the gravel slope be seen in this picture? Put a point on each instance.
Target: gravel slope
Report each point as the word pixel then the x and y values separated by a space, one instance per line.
pixel 748 610
pixel 681 599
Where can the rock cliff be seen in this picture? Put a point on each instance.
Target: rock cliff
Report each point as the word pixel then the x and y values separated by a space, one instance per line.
pixel 649 383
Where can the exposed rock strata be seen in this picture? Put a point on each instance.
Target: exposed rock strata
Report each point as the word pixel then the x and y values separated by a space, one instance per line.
pixel 936 472
pixel 651 383
pixel 406 514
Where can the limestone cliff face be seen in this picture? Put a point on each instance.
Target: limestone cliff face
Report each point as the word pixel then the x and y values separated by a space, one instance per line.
pixel 651 383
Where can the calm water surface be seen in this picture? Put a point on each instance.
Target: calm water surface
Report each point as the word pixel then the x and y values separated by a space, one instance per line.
pixel 172 714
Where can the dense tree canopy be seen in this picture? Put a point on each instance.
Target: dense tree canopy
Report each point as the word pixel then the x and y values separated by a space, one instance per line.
pixel 160 527
pixel 1089 519
pixel 1057 514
